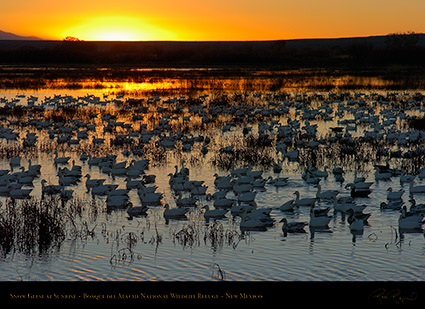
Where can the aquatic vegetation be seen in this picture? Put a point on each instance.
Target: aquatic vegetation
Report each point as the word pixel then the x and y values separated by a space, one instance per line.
pixel 264 145
pixel 31 226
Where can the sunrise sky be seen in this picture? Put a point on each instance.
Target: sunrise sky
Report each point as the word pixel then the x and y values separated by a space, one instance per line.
pixel 209 20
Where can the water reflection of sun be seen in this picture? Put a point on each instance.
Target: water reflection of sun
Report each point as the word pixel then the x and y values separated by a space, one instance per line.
pixel 118 29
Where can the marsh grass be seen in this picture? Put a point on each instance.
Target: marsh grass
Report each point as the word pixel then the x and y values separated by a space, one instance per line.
pixel 37 226
pixel 254 150
pixel 31 226
pixel 212 234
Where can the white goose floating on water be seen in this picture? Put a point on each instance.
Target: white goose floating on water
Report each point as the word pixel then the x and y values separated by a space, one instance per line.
pixel 137 211
pixel 91 183
pixel 238 209
pixel 293 227
pixel 214 213
pixel 178 212
pixel 61 160
pixel 326 195
pixel 20 193
pixel 247 197
pixel 394 205
pixel 318 220
pixel 416 189
pixel 287 206
pixel 151 198
pixel 304 201
pixel 409 220
pixel 357 225
pixel 345 206
pixel 252 223
pixel 394 195
pixel 279 181
pixel 50 189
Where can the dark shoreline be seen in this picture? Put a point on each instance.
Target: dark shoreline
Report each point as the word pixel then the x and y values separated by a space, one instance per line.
pixel 354 54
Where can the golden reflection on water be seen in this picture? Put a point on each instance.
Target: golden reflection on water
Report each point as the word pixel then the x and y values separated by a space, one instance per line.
pixel 176 82
pixel 156 110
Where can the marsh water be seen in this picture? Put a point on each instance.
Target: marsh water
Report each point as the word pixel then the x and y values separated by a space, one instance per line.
pixel 111 246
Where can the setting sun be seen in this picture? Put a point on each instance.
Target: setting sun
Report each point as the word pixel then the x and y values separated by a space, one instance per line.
pixel 220 20
pixel 117 29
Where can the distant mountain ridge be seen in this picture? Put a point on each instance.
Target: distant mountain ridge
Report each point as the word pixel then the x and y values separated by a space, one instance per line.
pixel 377 40
pixel 11 36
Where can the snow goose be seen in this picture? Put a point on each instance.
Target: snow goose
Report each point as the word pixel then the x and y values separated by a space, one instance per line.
pixel 416 189
pixel 137 211
pixel 26 180
pixel 248 224
pixel 146 189
pixel 353 216
pixel 361 189
pixel 293 227
pixel 408 220
pixel 66 195
pixel 20 193
pixel 358 179
pixel 254 174
pixel 321 174
pixel 223 184
pixel 84 157
pixel 118 192
pixel 406 177
pixel 33 169
pixel 247 197
pixel 279 181
pixel 395 205
pixel 219 194
pixel 214 213
pixel 244 180
pixel 117 201
pixel 303 201
pixel 318 220
pixel 240 208
pixel 14 162
pixel 259 183
pixel 291 155
pixel 394 195
pixel 383 176
pixel 357 225
pixel 133 184
pixel 151 198
pixel 239 172
pixel 221 178
pixel 5 189
pixel 103 189
pixel 201 190
pixel 60 160
pixel 94 160
pixel 91 183
pixel 287 206
pixel 326 195
pixel 277 168
pixel 242 188
pixel 179 212
pixel 50 189
pixel 224 203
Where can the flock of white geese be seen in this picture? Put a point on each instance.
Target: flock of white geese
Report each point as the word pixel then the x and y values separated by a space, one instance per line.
pixel 235 192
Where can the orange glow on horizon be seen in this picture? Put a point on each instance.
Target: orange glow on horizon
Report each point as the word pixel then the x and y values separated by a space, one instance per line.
pixel 219 20
pixel 117 28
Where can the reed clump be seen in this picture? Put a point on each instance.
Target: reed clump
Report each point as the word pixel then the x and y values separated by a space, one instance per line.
pixel 254 150
pixel 31 226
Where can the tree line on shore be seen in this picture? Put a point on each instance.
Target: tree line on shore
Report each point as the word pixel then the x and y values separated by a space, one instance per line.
pixel 404 49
